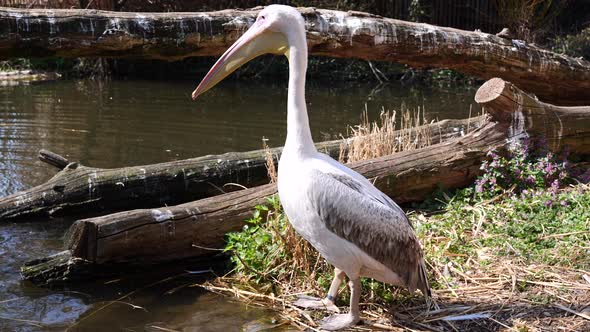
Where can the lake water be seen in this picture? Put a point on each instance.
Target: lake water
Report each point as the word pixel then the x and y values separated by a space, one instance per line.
pixel 123 123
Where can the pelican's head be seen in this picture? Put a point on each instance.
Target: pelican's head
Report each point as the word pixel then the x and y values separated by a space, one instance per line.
pixel 275 26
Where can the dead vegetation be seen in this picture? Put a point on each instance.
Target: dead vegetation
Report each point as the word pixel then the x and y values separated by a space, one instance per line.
pixel 375 139
pixel 502 297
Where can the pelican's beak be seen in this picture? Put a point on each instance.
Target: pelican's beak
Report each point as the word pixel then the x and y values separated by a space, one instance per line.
pixel 256 41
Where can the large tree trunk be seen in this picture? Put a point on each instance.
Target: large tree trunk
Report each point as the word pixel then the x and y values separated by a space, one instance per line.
pixel 80 188
pixel 174 36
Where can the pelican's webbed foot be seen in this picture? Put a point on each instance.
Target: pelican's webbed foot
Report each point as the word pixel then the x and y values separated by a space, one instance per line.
pixel 309 302
pixel 339 321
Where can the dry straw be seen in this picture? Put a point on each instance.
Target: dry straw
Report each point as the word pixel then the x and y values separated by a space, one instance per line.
pixel 370 140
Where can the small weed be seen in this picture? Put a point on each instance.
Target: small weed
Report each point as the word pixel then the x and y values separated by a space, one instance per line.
pixel 527 169
pixel 577 45
pixel 269 255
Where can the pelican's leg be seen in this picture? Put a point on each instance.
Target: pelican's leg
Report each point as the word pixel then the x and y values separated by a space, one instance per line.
pixel 327 303
pixel 340 321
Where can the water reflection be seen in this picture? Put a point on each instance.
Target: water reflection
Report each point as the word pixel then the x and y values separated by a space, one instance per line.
pixel 120 123
pixel 153 300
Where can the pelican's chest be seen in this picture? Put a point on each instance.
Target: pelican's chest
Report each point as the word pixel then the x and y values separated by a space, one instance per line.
pixel 294 185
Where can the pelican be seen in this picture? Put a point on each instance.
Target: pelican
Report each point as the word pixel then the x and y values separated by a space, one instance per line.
pixel 354 226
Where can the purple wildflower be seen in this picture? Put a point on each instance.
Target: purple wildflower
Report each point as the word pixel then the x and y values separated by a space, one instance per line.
pixel 549 169
pixel 530 179
pixel 555 185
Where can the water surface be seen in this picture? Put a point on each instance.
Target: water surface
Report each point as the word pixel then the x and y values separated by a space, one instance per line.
pixel 122 123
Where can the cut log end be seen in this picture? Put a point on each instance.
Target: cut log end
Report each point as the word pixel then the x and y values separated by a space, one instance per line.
pixel 490 90
pixel 523 115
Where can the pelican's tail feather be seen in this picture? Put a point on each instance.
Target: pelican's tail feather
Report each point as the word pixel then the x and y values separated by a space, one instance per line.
pixel 424 286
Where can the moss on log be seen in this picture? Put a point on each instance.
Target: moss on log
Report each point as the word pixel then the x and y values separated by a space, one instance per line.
pixel 77 188
pixel 174 36
pixel 58 268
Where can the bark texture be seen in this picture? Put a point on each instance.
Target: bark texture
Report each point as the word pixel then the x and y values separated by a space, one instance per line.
pixel 174 36
pixel 79 188
pixel 526 116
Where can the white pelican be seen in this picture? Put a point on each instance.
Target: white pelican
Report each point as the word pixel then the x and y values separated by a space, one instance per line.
pixel 354 226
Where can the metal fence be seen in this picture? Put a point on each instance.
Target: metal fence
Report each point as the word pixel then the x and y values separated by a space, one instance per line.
pixel 40 3
pixel 466 14
pixel 462 14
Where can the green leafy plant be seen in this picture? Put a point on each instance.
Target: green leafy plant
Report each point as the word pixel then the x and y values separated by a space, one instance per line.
pixel 267 253
pixel 526 168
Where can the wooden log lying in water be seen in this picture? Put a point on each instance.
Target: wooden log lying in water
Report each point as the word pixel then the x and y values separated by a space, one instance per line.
pixel 526 116
pixel 149 236
pixel 174 36
pixel 79 188
pixel 57 268
pixel 158 235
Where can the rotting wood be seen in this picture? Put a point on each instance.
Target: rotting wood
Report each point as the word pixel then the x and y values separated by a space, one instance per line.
pixel 174 36
pixel 63 268
pixel 196 229
pixel 57 268
pixel 527 116
pixel 78 188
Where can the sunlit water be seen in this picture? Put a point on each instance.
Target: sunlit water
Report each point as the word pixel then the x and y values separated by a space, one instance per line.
pixel 121 123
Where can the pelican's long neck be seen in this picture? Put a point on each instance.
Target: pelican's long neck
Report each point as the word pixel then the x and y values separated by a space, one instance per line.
pixel 299 139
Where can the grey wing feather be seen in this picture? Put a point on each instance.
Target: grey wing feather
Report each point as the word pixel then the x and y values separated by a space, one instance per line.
pixel 383 231
pixel 372 193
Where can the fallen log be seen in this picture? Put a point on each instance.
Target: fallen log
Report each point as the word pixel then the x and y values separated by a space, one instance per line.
pixel 527 116
pixel 57 268
pixel 174 36
pixel 79 188
pixel 63 268
pixel 197 229
pixel 193 229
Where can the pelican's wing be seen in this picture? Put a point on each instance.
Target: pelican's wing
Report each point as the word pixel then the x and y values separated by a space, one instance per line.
pixel 356 180
pixel 352 211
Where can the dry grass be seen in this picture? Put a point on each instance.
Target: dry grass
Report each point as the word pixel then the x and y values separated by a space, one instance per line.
pixel 529 19
pixel 271 169
pixel 375 139
pixel 489 299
